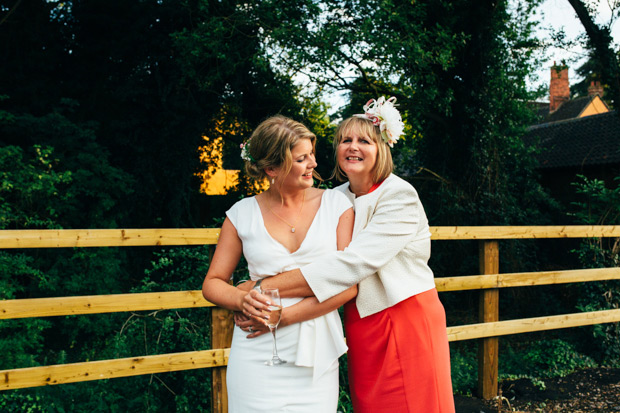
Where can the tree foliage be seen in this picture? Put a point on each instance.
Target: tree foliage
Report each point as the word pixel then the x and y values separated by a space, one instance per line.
pixel 600 47
pixel 103 107
pixel 461 87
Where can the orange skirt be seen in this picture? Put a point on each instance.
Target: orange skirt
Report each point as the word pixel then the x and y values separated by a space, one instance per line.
pixel 399 358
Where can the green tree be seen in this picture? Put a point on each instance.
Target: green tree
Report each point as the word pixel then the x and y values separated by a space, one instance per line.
pixel 461 88
pixel 152 77
pixel 104 105
pixel 601 46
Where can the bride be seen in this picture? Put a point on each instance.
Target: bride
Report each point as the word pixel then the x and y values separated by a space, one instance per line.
pixel 287 226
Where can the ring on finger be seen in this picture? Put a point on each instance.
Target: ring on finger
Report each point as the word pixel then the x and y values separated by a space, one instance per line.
pixel 251 329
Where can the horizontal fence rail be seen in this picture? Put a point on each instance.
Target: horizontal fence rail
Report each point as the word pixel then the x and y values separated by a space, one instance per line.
pixel 525 279
pixel 530 325
pixel 524 232
pixel 64 238
pixel 489 284
pixel 99 304
pixel 109 369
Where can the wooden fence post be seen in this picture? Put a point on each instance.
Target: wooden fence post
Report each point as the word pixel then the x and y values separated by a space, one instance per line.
pixel 221 337
pixel 222 326
pixel 488 311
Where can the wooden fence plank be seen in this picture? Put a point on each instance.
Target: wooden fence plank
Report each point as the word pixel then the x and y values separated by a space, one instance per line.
pixel 529 325
pixel 203 236
pixel 524 232
pixel 525 279
pixel 222 325
pixel 59 306
pixel 133 366
pixel 95 304
pixel 109 369
pixel 488 348
pixel 107 237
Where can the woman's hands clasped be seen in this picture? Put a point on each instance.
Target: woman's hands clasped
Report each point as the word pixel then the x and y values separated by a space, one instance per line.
pixel 254 307
pixel 253 325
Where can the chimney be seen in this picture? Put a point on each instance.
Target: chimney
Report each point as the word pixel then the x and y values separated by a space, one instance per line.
pixel 559 91
pixel 595 89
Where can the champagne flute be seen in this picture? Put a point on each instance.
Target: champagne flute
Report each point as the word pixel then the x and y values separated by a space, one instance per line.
pixel 275 314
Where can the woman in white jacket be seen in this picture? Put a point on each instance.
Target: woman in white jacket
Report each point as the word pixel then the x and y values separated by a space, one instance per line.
pixel 398 358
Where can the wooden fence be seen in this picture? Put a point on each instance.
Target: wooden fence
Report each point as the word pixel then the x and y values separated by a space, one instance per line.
pixel 487 330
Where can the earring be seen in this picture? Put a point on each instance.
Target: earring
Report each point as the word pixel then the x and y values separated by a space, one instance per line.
pixel 273 181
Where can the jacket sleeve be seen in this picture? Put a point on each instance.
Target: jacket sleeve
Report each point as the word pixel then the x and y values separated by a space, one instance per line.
pixel 393 222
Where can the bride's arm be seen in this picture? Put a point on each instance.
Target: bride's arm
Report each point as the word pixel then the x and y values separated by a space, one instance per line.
pixel 215 287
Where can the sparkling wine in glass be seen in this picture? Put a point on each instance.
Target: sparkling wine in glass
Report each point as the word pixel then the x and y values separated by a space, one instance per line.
pixel 275 314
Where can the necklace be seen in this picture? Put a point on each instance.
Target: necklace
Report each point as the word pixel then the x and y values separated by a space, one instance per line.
pixel 298 215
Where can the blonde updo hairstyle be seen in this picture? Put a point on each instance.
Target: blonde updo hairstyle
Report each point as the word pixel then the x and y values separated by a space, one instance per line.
pixel 384 164
pixel 271 143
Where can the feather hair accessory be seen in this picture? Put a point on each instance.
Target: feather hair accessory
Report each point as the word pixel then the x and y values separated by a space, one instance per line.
pixel 384 114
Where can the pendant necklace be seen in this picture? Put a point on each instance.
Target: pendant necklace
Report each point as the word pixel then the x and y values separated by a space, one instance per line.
pixel 285 221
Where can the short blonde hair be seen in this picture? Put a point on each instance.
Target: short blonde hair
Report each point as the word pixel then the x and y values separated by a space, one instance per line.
pixel 384 164
pixel 271 143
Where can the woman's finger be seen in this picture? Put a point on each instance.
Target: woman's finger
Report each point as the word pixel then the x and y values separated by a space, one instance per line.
pixel 239 317
pixel 253 306
pixel 250 311
pixel 256 334
pixel 245 323
pixel 258 328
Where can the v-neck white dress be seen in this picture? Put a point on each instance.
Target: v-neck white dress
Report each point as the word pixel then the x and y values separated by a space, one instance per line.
pixel 308 382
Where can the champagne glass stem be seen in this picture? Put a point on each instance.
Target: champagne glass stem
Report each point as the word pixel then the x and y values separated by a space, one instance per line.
pixel 275 348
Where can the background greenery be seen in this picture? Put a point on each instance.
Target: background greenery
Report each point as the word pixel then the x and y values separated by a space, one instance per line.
pixel 104 104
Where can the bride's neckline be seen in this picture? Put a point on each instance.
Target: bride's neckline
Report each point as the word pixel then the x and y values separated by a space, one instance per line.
pixel 274 239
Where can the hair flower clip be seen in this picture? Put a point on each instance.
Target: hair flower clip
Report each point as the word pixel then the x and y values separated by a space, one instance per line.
pixel 384 114
pixel 245 152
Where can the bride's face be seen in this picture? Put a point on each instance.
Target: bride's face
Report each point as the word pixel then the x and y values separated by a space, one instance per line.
pixel 304 162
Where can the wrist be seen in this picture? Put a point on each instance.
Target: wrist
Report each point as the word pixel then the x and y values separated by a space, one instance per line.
pixel 257 285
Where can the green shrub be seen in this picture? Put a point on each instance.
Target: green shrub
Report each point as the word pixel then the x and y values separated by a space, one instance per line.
pixel 464 366
pixel 599 204
pixel 542 359
pixel 15 401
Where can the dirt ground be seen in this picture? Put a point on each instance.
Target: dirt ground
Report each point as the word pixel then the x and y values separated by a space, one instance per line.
pixel 591 390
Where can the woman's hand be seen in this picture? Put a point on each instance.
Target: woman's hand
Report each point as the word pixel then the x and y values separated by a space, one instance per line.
pixel 256 327
pixel 255 305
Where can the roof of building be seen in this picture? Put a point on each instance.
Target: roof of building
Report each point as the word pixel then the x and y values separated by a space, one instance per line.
pixel 590 140
pixel 570 109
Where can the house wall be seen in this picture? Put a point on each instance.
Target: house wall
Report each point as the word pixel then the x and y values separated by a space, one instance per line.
pixel 594 108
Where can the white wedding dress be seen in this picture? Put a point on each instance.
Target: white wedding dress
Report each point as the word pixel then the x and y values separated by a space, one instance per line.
pixel 308 382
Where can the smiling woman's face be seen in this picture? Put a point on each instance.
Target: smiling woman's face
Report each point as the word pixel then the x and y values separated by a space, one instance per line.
pixel 304 162
pixel 356 155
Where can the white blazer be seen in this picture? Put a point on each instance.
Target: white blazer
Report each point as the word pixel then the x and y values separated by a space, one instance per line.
pixel 388 256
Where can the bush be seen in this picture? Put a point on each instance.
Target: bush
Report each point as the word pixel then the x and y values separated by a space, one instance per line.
pixel 541 359
pixel 464 366
pixel 599 204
